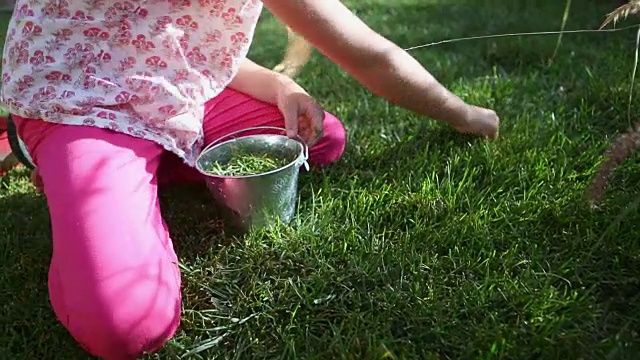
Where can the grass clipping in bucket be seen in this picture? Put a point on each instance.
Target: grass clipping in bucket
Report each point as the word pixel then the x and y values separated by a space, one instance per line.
pixel 243 164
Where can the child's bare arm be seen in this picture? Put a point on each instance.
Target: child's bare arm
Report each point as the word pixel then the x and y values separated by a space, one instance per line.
pixel 261 83
pixel 377 63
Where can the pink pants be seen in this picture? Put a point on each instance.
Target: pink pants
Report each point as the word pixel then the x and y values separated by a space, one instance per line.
pixel 113 280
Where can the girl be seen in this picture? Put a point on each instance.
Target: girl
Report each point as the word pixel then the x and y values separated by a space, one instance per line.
pixel 114 97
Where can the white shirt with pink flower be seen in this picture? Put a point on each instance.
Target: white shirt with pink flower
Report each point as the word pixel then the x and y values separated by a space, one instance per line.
pixel 141 67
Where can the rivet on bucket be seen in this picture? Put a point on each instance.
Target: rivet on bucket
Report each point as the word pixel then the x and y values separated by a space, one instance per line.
pixel 257 200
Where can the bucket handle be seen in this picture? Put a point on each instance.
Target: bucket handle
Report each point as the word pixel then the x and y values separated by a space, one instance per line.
pixel 305 148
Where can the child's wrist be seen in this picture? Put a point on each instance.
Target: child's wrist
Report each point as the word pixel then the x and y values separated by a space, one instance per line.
pixel 456 112
pixel 288 85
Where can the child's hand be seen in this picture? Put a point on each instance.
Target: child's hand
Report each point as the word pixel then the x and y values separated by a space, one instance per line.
pixel 479 121
pixel 302 115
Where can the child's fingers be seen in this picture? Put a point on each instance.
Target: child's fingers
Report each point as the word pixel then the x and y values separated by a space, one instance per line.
pixel 290 112
pixel 313 120
pixel 305 130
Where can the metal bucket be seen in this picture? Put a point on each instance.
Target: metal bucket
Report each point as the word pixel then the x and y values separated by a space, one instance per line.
pixel 259 200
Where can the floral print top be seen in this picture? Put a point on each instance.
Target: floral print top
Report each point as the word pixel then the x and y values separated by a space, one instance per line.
pixel 141 67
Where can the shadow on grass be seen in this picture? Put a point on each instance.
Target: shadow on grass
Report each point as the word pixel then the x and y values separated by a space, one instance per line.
pixel 195 222
pixel 601 265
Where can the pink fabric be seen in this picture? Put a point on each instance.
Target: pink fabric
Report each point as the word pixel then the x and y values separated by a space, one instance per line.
pixel 113 280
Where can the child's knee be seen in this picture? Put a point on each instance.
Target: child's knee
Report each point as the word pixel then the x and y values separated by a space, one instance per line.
pixel 123 320
pixel 333 143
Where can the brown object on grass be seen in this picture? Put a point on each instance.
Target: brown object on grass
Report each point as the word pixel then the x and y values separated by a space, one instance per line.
pixel 8 163
pixel 620 149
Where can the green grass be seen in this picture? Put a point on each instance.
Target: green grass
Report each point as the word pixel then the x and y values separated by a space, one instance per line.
pixel 420 243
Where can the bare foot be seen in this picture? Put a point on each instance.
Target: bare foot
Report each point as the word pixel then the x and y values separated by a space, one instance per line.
pixel 480 121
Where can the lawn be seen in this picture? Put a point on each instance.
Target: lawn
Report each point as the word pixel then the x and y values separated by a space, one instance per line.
pixel 420 243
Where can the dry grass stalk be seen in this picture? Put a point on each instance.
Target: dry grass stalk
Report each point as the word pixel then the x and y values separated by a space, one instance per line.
pixel 622 12
pixel 620 149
